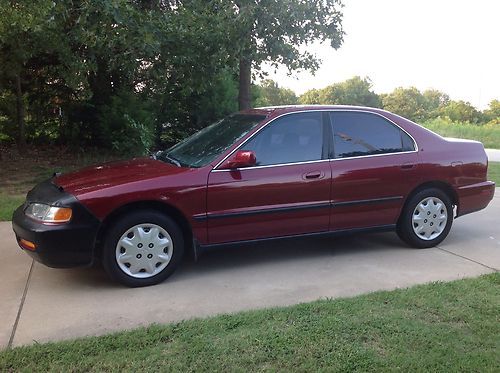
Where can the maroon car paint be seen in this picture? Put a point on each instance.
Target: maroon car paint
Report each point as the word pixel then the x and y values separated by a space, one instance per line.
pixel 386 181
pixel 256 189
pixel 350 193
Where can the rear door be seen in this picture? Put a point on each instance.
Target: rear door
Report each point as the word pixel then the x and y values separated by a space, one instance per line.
pixel 286 193
pixel 374 167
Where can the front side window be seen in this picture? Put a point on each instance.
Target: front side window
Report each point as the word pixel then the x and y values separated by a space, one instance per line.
pixel 204 146
pixel 358 134
pixel 289 139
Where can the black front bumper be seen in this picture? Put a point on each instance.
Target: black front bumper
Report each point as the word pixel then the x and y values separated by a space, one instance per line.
pixel 59 245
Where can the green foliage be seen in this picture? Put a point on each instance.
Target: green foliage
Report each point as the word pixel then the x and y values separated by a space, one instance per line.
pixel 438 327
pixel 492 114
pixel 185 114
pixel 126 124
pixel 407 102
pixel 354 91
pixel 269 93
pixel 75 57
pixel 74 60
pixel 488 134
pixel 7 115
pixel 274 31
pixel 88 71
pixel 311 97
pixel 434 101
pixel 461 111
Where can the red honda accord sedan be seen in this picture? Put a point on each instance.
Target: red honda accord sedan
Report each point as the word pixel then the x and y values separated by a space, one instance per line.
pixel 259 174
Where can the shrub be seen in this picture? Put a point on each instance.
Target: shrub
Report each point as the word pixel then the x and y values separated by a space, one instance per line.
pixel 127 124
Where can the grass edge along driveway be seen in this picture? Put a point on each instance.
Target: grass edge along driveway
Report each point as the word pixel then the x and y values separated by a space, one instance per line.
pixel 452 326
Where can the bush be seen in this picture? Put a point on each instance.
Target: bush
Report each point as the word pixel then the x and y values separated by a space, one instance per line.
pixel 127 124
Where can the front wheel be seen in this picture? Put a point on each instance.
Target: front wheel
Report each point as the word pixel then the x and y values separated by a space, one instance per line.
pixel 426 219
pixel 142 248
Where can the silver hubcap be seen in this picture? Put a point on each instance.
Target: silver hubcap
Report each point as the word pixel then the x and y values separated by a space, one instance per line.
pixel 429 218
pixel 144 250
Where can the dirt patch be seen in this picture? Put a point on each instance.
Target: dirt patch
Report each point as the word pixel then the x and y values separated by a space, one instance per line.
pixel 19 171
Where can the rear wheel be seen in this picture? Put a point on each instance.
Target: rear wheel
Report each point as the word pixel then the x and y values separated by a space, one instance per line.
pixel 143 248
pixel 426 219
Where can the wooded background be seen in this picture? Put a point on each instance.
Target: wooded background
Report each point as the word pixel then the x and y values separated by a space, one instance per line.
pixel 136 75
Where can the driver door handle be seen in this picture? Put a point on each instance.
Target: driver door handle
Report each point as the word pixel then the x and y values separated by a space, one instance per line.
pixel 407 166
pixel 313 175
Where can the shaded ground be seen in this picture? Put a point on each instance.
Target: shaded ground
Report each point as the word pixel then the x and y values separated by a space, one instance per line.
pixel 21 171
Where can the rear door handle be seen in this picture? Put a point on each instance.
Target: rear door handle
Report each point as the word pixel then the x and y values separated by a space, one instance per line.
pixel 407 166
pixel 314 175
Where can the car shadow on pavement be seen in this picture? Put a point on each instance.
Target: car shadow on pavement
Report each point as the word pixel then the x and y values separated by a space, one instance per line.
pixel 255 254
pixel 291 250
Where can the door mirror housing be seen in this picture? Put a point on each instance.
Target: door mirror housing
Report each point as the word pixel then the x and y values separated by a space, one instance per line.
pixel 240 159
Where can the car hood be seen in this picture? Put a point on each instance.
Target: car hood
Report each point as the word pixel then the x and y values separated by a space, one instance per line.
pixel 112 174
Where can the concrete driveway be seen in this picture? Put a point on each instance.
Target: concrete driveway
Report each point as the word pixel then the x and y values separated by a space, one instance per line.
pixel 41 304
pixel 493 155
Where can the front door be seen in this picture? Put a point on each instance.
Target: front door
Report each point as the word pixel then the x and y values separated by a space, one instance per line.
pixel 286 193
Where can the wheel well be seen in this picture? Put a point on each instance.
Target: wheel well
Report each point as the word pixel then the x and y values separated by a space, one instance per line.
pixel 144 205
pixel 441 185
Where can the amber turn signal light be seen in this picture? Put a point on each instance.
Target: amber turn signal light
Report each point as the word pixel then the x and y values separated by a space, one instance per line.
pixel 28 245
pixel 62 215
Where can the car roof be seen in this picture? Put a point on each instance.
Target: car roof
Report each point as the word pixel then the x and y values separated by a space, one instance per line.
pixel 278 110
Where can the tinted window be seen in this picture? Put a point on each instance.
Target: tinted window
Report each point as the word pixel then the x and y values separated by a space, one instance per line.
pixel 408 144
pixel 292 138
pixel 357 134
pixel 204 146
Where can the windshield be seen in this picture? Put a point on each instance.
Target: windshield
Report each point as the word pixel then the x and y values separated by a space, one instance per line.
pixel 204 146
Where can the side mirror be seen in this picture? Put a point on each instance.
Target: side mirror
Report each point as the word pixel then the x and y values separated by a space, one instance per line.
pixel 240 159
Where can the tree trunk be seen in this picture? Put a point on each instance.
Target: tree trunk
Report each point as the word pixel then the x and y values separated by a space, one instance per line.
pixel 244 100
pixel 21 139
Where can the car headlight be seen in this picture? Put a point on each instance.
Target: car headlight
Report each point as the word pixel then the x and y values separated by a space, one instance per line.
pixel 48 214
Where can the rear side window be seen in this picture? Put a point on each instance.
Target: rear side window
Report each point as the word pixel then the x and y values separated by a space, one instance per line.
pixel 289 139
pixel 359 134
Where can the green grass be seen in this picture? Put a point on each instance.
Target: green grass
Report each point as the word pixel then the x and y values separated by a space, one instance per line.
pixel 494 172
pixel 436 327
pixel 8 203
pixel 489 135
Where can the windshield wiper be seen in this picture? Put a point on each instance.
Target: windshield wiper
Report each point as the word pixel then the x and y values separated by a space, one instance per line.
pixel 152 154
pixel 172 160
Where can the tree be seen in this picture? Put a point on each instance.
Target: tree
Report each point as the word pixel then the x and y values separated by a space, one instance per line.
pixel 311 97
pixel 407 102
pixel 354 91
pixel 461 111
pixel 492 114
pixel 268 93
pixel 275 31
pixel 434 100
pixel 89 72
pixel 28 34
pixel 83 58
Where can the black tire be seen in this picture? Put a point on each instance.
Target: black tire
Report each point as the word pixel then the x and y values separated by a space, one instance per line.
pixel 125 223
pixel 405 229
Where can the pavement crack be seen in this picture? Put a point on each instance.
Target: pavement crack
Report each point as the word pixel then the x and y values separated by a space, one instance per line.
pixel 469 259
pixel 14 328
